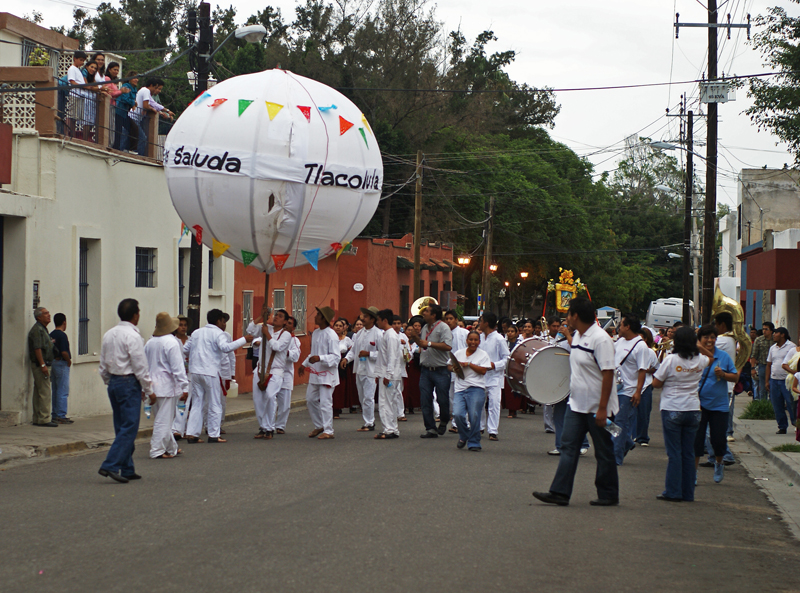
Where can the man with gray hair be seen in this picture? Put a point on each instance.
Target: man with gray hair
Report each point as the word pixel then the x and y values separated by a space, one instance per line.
pixel 40 348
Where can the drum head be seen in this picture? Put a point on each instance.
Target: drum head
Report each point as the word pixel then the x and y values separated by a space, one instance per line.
pixel 547 375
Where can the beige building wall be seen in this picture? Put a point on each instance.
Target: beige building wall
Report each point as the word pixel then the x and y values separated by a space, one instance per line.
pixel 769 200
pixel 61 193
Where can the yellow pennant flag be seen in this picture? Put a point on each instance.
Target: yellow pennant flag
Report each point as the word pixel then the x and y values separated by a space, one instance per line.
pixel 218 248
pixel 366 125
pixel 273 109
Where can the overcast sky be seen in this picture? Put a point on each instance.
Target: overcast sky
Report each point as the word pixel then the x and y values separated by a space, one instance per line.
pixel 586 43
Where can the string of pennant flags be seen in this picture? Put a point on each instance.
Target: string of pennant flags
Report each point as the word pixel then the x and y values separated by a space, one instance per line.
pixel 274 108
pixel 218 248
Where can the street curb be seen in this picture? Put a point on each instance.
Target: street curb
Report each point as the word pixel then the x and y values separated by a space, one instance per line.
pixel 776 458
pixel 54 450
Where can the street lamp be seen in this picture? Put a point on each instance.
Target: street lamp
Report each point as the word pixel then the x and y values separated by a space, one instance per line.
pixel 524 276
pixel 463 261
pixel 493 267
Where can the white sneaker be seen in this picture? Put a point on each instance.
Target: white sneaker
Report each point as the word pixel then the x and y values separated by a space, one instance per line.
pixel 644 444
pixel 554 452
pixel 584 450
pixel 731 439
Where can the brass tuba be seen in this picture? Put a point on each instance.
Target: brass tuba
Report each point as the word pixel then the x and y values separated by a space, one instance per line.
pixel 723 304
pixel 422 302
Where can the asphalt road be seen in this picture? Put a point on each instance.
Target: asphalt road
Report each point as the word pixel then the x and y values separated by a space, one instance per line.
pixel 354 514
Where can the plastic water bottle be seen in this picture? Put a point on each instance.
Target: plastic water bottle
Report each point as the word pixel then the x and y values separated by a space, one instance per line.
pixel 614 429
pixel 181 407
pixel 147 408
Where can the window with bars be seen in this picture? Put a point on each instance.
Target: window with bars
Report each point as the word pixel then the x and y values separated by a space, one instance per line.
pixel 299 309
pixel 145 267
pixel 278 299
pixel 83 297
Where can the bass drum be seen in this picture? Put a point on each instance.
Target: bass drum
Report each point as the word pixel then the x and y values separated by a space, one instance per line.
pixel 539 371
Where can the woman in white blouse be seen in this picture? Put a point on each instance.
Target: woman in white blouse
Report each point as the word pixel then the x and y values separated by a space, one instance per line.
pixel 470 392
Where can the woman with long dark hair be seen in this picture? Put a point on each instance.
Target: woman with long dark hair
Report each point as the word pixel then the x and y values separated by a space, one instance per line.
pixel 411 394
pixel 340 391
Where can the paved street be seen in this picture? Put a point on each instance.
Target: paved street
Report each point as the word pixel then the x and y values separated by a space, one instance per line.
pixel 354 514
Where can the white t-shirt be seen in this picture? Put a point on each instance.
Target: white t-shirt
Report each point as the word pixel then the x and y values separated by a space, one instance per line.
pixel 634 353
pixel 142 95
pixel 652 363
pixel 591 353
pixel 471 378
pixel 681 379
pixel 74 74
pixel 776 356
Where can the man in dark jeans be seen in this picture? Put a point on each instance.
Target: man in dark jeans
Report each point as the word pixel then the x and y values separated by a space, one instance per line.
pixel 591 403
pixel 123 367
pixel 435 342
pixel 61 365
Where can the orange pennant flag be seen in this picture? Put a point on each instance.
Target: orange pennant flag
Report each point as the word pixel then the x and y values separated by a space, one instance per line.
pixel 280 260
pixel 344 125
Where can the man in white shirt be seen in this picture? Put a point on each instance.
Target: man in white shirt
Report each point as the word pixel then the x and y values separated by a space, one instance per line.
pixel 123 367
pixel 405 351
pixel 727 343
pixel 365 354
pixel 778 393
pixel 205 348
pixel 168 375
pixel 76 95
pixel 227 372
pixel 284 399
pixel 632 362
pixel 144 110
pixel 496 347
pixel 268 376
pixel 592 402
pixel 459 343
pixel 322 363
pixel 388 375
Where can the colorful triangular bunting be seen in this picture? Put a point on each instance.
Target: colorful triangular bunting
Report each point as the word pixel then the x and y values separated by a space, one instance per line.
pixel 279 260
pixel 312 255
pixel 217 102
pixel 202 98
pixel 273 109
pixel 366 124
pixel 198 234
pixel 184 231
pixel 218 248
pixel 364 136
pixel 344 125
pixel 336 246
pixel 327 108
pixel 248 257
pixel 305 111
pixel 243 104
pixel 342 248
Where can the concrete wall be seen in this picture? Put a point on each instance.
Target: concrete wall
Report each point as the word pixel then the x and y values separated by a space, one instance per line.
pixel 62 193
pixel 770 200
pixel 786 309
pixel 10 53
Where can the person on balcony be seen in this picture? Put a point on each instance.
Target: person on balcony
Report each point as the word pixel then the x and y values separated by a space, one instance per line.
pixel 77 95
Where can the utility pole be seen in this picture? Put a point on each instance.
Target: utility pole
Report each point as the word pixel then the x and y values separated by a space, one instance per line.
pixel 487 258
pixel 203 19
pixel 687 219
pixel 417 225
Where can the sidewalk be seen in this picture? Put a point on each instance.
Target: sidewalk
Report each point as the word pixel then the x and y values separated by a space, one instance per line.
pixel 26 441
pixel 761 435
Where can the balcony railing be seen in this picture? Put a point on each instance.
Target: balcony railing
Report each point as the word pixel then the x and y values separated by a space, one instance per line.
pixel 78 114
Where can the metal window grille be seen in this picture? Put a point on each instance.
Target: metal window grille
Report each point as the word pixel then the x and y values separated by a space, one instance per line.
pixel 299 308
pixel 210 269
pixel 145 267
pixel 181 285
pixel 83 298
pixel 278 299
pixel 247 308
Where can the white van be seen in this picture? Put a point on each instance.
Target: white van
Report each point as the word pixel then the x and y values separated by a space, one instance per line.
pixel 667 312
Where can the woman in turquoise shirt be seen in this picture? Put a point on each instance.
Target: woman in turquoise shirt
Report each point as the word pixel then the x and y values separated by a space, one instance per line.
pixel 714 401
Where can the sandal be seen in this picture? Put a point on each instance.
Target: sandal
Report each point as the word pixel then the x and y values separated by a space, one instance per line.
pixel 385 437
pixel 261 434
pixel 402 419
pixel 165 456
pixel 280 431
pixel 451 429
pixel 194 440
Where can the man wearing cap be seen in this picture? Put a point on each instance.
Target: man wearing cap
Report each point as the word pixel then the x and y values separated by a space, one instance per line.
pixel 365 354
pixel 168 376
pixel 268 376
pixel 322 364
pixel 205 348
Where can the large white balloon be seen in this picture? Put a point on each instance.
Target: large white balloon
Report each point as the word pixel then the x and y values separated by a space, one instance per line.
pixel 274 164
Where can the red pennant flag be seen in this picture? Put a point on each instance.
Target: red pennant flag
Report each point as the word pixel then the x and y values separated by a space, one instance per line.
pixel 217 102
pixel 198 234
pixel 305 111
pixel 279 261
pixel 344 125
pixel 336 246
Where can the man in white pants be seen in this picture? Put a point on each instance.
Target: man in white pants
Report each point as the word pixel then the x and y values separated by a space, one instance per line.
pixel 322 363
pixel 365 353
pixel 459 343
pixel 205 348
pixel 405 352
pixel 168 377
pixel 496 347
pixel 285 394
pixel 388 372
pixel 275 342
pixel 227 372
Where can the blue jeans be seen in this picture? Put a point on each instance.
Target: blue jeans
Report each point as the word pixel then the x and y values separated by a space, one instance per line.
pixel 468 407
pixel 141 149
pixel 731 401
pixel 606 480
pixel 559 410
pixel 125 395
pixel 761 391
pixel 428 380
pixel 59 380
pixel 626 420
pixel 680 429
pixel 643 416
pixel 781 400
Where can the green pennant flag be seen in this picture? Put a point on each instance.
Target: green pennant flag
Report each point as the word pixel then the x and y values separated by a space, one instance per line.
pixel 248 256
pixel 243 104
pixel 364 136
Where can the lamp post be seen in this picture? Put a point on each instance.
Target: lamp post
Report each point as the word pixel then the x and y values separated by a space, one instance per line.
pixel 524 276
pixel 463 261
pixel 252 34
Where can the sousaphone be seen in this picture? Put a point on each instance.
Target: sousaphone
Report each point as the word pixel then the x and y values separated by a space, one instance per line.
pixel 422 302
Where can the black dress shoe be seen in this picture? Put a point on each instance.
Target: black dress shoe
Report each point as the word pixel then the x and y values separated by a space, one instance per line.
pixel 429 435
pixel 706 464
pixel 133 477
pixel 54 425
pixel 552 498
pixel 442 428
pixel 781 431
pixel 461 444
pixel 668 499
pixel 113 475
pixel 604 502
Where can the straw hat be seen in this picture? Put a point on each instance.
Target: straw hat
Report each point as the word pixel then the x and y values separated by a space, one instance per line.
pixel 328 313
pixel 370 311
pixel 165 324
